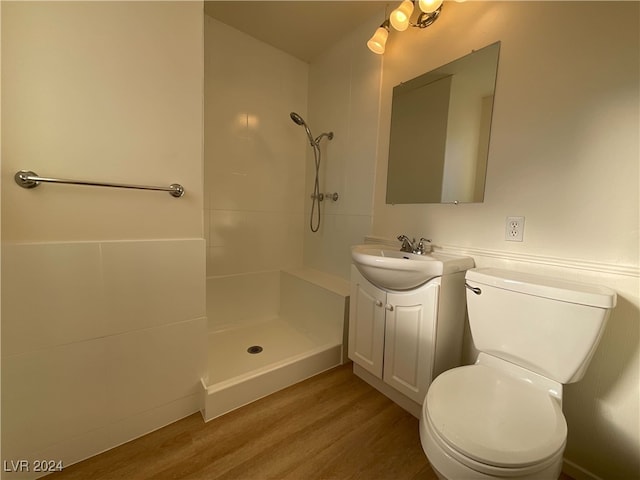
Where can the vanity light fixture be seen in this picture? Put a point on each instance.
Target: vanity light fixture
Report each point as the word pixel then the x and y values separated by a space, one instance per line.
pixel 377 43
pixel 400 19
pixel 429 6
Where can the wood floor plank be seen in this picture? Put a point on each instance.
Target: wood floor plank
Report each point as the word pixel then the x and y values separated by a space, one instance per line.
pixel 332 426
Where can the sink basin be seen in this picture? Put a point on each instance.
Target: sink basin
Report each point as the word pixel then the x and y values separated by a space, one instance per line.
pixel 392 269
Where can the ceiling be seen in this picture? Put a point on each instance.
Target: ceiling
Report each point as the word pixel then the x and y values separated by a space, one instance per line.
pixel 300 28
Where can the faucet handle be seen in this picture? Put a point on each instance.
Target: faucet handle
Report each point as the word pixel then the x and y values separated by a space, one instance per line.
pixel 424 246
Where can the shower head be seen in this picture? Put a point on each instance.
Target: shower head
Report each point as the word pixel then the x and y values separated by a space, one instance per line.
pixel 299 121
pixel 315 144
pixel 297 118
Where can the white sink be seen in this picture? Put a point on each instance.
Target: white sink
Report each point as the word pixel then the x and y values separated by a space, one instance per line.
pixel 392 269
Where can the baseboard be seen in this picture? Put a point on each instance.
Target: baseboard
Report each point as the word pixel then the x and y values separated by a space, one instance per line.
pixel 577 472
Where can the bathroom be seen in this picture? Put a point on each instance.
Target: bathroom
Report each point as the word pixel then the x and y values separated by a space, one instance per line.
pixel 114 280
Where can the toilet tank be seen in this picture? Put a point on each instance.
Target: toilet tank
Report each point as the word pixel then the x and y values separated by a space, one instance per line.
pixel 547 325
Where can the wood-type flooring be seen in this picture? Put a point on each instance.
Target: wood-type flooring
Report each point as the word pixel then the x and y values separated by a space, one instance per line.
pixel 331 426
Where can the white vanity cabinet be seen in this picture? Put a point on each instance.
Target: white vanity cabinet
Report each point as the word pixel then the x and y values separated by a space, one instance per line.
pixel 392 334
pixel 400 341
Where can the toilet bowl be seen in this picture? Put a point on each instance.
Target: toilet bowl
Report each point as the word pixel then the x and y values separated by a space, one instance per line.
pixel 502 417
pixel 493 420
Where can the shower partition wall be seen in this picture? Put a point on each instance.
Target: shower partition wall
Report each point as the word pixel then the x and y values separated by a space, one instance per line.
pixel 103 292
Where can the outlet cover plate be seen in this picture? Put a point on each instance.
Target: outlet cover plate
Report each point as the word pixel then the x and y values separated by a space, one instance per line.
pixel 514 229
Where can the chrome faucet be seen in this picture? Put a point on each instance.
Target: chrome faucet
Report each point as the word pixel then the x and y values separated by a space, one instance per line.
pixel 407 245
pixel 423 247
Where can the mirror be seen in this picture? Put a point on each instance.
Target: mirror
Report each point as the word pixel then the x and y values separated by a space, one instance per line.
pixel 440 130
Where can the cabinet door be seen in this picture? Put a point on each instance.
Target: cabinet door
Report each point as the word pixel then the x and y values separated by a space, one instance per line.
pixel 366 324
pixel 410 340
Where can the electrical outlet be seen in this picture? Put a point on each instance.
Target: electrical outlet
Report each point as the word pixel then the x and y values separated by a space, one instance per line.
pixel 514 229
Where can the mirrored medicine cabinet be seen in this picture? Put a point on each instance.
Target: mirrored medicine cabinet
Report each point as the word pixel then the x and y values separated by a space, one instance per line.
pixel 440 131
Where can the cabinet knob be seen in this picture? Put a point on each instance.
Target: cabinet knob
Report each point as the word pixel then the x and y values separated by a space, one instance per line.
pixel 378 303
pixel 389 307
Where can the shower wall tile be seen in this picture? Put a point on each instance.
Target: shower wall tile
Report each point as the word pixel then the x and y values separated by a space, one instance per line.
pixel 246 241
pixel 344 86
pixel 329 250
pixel 359 171
pixel 58 293
pixel 317 311
pixel 343 82
pixel 151 365
pixel 38 279
pixel 265 181
pixel 66 391
pixel 207 227
pixel 152 283
pixel 97 332
pixel 329 99
pixel 85 445
pixel 51 394
pixel 238 299
pixel 255 156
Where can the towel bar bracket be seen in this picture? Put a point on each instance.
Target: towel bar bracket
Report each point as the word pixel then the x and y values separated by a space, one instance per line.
pixel 23 178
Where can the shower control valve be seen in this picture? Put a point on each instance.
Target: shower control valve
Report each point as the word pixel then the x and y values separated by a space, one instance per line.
pixel 326 196
pixel 332 196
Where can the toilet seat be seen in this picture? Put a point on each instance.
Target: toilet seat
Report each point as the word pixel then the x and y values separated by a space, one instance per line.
pixel 487 417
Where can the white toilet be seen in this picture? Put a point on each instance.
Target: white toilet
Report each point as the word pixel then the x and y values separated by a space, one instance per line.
pixel 502 417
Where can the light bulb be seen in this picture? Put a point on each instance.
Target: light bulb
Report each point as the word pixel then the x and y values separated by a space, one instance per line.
pixel 429 6
pixel 399 18
pixel 378 41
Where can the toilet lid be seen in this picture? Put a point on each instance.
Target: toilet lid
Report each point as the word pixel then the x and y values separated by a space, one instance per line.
pixel 495 418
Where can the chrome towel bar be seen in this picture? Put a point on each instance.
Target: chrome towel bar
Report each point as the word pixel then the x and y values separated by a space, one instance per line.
pixel 29 179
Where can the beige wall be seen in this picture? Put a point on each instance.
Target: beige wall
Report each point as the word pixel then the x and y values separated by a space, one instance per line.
pixel 564 154
pixel 95 97
pixel 103 322
pixel 564 142
pixel 114 91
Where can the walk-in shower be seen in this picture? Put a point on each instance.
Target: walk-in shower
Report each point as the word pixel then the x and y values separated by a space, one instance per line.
pixel 316 197
pixel 272 321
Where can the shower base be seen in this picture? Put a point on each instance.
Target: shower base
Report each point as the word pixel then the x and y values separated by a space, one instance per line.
pixel 305 339
pixel 287 357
